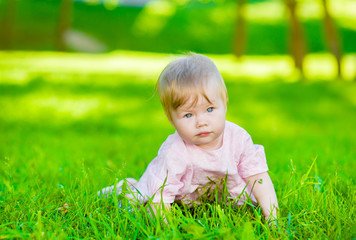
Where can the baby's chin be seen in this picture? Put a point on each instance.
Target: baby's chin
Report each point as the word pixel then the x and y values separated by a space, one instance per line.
pixel 212 145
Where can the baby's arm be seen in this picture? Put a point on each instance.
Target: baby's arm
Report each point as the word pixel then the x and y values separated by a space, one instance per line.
pixel 263 190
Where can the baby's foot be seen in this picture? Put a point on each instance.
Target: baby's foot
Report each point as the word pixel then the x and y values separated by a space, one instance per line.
pixel 107 191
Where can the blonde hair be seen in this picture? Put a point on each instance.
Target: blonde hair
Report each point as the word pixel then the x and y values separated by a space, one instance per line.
pixel 188 76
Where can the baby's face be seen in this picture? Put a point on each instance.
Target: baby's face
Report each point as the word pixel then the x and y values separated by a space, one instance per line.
pixel 201 124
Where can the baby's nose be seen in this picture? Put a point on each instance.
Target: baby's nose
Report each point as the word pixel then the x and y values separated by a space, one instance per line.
pixel 201 122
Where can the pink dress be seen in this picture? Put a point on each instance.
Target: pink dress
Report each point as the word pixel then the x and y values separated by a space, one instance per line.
pixel 184 169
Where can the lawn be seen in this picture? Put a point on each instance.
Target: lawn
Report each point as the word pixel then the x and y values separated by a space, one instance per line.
pixel 71 124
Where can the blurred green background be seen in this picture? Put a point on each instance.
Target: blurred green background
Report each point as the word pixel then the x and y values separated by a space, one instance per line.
pixel 318 35
pixel 174 26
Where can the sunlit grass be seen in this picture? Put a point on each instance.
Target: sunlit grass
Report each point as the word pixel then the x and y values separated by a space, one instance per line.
pixel 22 67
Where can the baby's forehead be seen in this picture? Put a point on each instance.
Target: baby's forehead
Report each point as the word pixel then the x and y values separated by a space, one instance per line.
pixel 194 100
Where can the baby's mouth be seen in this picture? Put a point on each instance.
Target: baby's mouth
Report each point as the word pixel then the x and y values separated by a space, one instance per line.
pixel 204 134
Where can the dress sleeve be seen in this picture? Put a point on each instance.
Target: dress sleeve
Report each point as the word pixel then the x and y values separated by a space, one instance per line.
pixel 167 180
pixel 166 174
pixel 252 160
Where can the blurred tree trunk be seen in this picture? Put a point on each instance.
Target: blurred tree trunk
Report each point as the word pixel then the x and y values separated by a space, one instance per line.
pixel 239 47
pixel 64 22
pixel 332 37
pixel 296 37
pixel 7 23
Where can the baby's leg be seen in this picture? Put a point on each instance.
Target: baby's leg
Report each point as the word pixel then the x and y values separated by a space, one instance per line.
pixel 105 192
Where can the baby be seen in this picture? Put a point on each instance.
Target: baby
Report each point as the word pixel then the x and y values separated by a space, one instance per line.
pixel 205 147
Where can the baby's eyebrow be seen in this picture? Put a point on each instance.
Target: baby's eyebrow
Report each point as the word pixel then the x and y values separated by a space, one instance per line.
pixel 190 109
pixel 182 109
pixel 211 102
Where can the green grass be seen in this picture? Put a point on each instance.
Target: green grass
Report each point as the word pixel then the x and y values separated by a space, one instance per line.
pixel 67 133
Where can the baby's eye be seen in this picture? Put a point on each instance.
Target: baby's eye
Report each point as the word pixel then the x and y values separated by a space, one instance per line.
pixel 210 109
pixel 188 115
